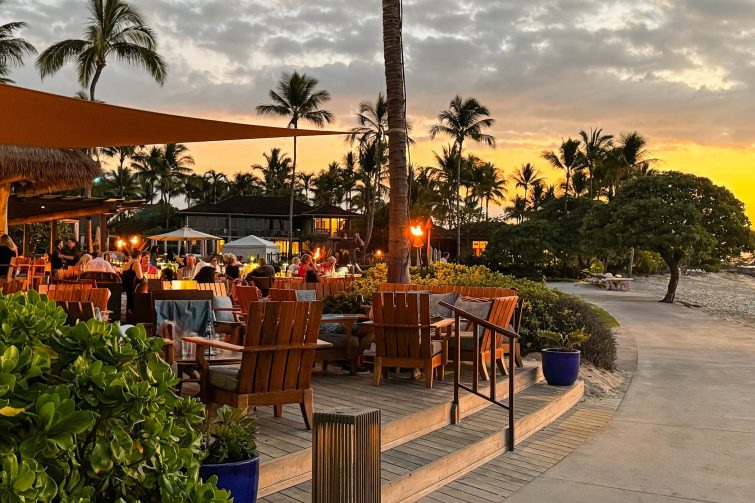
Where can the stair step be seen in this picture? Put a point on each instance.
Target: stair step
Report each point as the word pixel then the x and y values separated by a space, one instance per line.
pixel 295 468
pixel 426 463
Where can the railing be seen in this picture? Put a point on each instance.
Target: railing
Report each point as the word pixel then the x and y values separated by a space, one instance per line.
pixel 512 337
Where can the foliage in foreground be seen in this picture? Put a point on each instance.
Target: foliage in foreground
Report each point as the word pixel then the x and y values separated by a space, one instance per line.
pixel 568 341
pixel 543 308
pixel 230 436
pixel 87 414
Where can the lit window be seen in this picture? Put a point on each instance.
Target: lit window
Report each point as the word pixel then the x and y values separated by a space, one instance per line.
pixel 478 247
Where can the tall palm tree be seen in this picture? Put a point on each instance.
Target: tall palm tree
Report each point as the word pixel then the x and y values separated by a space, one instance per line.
pixel 489 185
pixel 568 159
pixel 244 184
pixel 217 184
pixel 114 28
pixel 580 184
pixel 527 176
pixel 329 186
pixel 518 209
pixel 12 48
pixel 306 180
pixel 349 176
pixel 275 172
pixel 120 182
pixel 145 162
pixel 597 145
pixel 464 119
pixel 296 96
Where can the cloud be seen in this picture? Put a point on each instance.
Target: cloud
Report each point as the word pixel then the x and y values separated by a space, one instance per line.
pixel 677 70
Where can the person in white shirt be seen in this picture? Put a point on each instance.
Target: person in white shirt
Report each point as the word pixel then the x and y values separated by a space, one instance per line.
pixel 190 269
pixel 99 264
pixel 293 269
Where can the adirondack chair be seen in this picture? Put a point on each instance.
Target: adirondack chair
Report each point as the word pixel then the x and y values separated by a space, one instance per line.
pixel 501 314
pixel 68 291
pixel 98 296
pixel 403 335
pixel 276 367
pixel 19 266
pixel 77 310
pixel 217 288
pixel 70 274
pixel 282 295
pixel 245 296
pixel 264 284
pixel 10 286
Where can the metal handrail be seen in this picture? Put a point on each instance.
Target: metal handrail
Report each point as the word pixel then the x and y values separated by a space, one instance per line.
pixel 512 337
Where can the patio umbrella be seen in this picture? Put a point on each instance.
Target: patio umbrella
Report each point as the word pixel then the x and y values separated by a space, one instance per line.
pixel 34 170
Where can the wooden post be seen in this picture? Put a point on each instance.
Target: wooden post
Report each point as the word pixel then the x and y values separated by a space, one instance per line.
pixel 25 246
pixel 53 235
pixel 90 245
pixel 4 195
pixel 104 241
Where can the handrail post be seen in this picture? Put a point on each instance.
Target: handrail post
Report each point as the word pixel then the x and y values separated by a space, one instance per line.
pixel 494 350
pixel 455 412
pixel 476 353
pixel 512 367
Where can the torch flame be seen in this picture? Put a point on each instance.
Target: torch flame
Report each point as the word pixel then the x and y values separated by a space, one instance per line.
pixel 317 254
pixel 417 230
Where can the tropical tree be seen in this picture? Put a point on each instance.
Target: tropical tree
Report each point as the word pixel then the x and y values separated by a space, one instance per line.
pixel 244 184
pixel 489 185
pixel 114 29
pixel 217 184
pixel 329 186
pixel 145 163
pixel 12 48
pixel 568 159
pixel 684 218
pixel 464 119
pixel 121 182
pixel 370 186
pixel 628 158
pixel 580 184
pixel 527 176
pixel 349 176
pixel 596 146
pixel 296 97
pixel 306 181
pixel 275 172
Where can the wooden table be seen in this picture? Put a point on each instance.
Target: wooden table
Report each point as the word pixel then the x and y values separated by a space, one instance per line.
pixel 347 320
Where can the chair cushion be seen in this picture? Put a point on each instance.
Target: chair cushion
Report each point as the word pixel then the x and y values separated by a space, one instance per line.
pixel 467 342
pixel 306 295
pixel 332 328
pixel 436 347
pixel 474 306
pixel 222 302
pixel 225 376
pixel 437 298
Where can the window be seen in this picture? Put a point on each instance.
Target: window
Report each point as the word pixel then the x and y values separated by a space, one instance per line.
pixel 329 226
pixel 284 246
pixel 478 247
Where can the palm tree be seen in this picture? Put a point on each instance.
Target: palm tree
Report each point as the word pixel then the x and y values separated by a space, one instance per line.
pixel 244 184
pixel 596 146
pixel 349 176
pixel 297 98
pixel 12 48
pixel 114 28
pixel 464 119
pixel 275 172
pixel 569 160
pixel 580 184
pixel 518 209
pixel 329 187
pixel 306 179
pixel 489 185
pixel 217 184
pixel 527 176
pixel 145 163
pixel 120 182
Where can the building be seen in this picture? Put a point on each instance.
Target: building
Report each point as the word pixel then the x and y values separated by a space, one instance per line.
pixel 267 217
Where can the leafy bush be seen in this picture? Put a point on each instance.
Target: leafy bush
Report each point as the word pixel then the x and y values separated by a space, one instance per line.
pixel 647 262
pixel 542 309
pixel 87 414
pixel 343 303
pixel 230 436
pixel 564 341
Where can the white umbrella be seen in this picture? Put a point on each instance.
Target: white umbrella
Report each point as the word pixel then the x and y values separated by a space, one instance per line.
pixel 251 246
pixel 185 234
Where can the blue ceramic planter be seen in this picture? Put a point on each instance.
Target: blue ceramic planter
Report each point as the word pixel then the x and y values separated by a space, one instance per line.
pixel 561 368
pixel 241 478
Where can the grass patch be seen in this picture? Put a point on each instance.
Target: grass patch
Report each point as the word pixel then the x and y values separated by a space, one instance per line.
pixel 605 316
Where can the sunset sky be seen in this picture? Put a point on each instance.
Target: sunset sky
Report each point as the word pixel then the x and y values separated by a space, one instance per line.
pixel 680 72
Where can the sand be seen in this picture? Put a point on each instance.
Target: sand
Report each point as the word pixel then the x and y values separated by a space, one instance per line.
pixel 727 295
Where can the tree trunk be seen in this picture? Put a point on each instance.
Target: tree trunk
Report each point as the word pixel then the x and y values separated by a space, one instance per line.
pixel 398 223
pixel 673 265
pixel 95 79
pixel 458 205
pixel 291 206
pixel 4 195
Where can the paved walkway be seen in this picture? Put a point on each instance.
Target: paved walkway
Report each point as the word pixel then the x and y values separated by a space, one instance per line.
pixel 685 430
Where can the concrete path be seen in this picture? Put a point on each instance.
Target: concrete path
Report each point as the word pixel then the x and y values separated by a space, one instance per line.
pixel 685 430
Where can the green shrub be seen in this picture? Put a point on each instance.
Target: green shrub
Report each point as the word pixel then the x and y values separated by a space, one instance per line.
pixel 343 303
pixel 230 436
pixel 572 314
pixel 87 414
pixel 647 262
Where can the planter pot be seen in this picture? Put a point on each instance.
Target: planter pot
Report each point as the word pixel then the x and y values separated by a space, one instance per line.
pixel 240 478
pixel 561 368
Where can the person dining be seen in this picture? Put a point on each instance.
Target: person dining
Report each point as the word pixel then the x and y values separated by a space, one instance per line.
pixel 84 261
pixel 263 270
pixel 232 266
pixel 215 263
pixel 147 267
pixel 131 278
pixel 206 274
pixel 99 264
pixel 328 268
pixel 190 267
pixel 8 250
pixel 293 269
pixel 71 253
pixel 307 270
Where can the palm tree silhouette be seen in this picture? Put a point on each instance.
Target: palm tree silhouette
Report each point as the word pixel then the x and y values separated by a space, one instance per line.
pixel 569 160
pixel 12 48
pixel 527 176
pixel 296 96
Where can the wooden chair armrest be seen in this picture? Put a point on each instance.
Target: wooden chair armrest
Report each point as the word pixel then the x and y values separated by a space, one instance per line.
pixel 200 341
pixel 227 309
pixel 211 343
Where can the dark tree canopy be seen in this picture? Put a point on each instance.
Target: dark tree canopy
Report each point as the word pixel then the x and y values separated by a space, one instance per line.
pixel 685 218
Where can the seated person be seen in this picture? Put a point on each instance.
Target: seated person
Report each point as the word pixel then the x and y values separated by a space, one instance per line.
pixel 147 268
pixel 98 264
pixel 205 275
pixel 167 274
pixel 263 270
pixel 84 261
pixel 215 262
pixel 328 268
pixel 232 266
pixel 190 267
pixel 307 270
pixel 293 269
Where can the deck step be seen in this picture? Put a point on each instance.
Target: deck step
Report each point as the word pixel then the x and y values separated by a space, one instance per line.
pixel 295 468
pixel 423 464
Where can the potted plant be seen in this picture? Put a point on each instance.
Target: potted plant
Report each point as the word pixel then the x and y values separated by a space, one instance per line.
pixel 232 453
pixel 561 359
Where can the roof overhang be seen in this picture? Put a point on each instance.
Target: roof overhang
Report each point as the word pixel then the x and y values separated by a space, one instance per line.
pixel 30 210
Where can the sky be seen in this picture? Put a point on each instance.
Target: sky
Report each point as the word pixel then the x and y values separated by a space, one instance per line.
pixel 681 72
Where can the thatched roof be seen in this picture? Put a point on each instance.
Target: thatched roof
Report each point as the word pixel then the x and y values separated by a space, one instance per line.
pixel 35 170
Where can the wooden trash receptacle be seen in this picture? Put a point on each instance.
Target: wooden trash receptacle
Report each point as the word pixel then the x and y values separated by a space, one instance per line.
pixel 346 456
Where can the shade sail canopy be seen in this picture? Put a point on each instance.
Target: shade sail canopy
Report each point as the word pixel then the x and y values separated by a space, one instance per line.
pixel 184 234
pixel 34 118
pixel 42 170
pixel 251 246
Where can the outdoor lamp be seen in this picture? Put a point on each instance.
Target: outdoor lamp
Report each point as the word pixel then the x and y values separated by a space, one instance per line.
pixel 417 236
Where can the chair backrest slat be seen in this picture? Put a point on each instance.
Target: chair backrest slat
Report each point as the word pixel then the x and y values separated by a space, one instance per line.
pixel 402 324
pixel 282 295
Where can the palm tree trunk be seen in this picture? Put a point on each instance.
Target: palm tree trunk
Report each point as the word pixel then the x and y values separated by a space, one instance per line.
pixel 398 223
pixel 95 79
pixel 458 205
pixel 291 205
